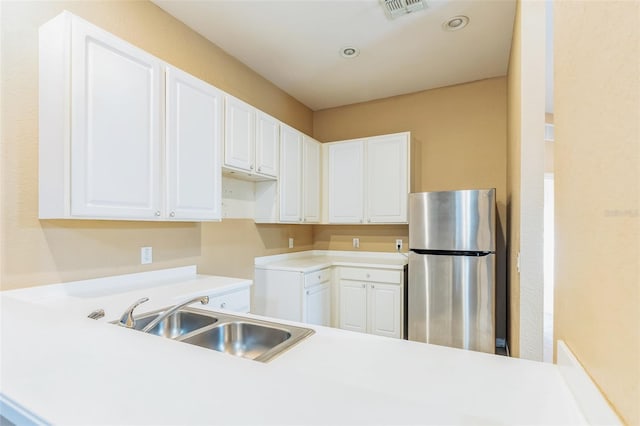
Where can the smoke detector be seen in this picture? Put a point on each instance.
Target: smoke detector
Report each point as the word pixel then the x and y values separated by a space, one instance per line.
pixel 395 8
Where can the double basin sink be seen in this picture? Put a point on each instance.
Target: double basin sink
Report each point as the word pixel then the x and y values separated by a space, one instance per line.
pixel 247 338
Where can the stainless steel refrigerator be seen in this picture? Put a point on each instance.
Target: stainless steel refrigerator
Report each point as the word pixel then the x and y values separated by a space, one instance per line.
pixel 451 292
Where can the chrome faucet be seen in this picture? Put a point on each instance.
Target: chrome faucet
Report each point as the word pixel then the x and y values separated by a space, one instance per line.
pixel 126 320
pixel 202 299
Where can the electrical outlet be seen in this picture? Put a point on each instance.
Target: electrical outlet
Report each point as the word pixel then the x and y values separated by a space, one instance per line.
pixel 290 242
pixel 398 245
pixel 146 255
pixel 356 243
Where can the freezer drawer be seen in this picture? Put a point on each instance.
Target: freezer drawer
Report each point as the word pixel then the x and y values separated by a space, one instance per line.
pixel 451 300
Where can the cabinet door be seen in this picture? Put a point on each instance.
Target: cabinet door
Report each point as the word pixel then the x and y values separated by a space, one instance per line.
pixel 193 145
pixel 239 134
pixel 317 309
pixel 278 294
pixel 237 301
pixel 311 180
pixel 353 306
pixel 116 94
pixel 346 171
pixel 290 180
pixel 384 313
pixel 267 144
pixel 387 179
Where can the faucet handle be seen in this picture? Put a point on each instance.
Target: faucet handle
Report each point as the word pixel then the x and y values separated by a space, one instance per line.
pixel 126 320
pixel 97 314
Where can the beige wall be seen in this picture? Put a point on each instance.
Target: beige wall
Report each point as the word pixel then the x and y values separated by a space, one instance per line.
pixel 229 247
pixel 597 186
pixel 37 252
pixel 372 237
pixel 461 134
pixel 513 181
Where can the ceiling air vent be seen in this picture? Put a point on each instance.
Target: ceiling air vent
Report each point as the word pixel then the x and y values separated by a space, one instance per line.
pixel 395 8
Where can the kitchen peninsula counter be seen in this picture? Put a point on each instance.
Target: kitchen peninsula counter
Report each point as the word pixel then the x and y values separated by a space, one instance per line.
pixel 67 369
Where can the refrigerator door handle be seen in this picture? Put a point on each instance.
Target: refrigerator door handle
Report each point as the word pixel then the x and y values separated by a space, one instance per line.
pixel 452 252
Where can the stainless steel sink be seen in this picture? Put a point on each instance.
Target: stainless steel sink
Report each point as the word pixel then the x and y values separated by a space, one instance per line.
pixel 239 336
pixel 175 325
pixel 244 339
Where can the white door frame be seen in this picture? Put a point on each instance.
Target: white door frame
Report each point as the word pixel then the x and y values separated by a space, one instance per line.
pixel 533 25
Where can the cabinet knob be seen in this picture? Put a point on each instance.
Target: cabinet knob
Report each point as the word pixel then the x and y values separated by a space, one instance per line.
pixel 319 276
pixel 364 285
pixel 251 167
pixel 223 304
pixel 307 291
pixel 172 214
pixel 368 276
pixel 259 169
pixel 157 212
pixel 373 286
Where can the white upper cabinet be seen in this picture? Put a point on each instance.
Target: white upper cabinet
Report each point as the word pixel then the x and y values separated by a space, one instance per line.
pixel 102 131
pixel 368 180
pixel 267 144
pixel 251 141
pixel 311 166
pixel 100 124
pixel 193 145
pixel 299 180
pixel 387 179
pixel 290 179
pixel 239 136
pixel 115 126
pixel 346 182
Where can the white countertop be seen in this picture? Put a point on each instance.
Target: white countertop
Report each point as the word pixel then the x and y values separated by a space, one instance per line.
pixel 313 260
pixel 69 369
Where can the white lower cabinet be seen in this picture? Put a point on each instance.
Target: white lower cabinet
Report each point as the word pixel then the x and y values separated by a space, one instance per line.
pixel 317 304
pixel 384 309
pixel 353 306
pixel 371 301
pixel 293 295
pixel 236 300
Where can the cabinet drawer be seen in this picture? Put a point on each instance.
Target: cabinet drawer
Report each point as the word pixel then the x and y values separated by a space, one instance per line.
pixel 237 301
pixel 316 277
pixel 372 275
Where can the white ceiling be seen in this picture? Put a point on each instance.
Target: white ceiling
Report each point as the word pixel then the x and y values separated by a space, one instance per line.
pixel 296 44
